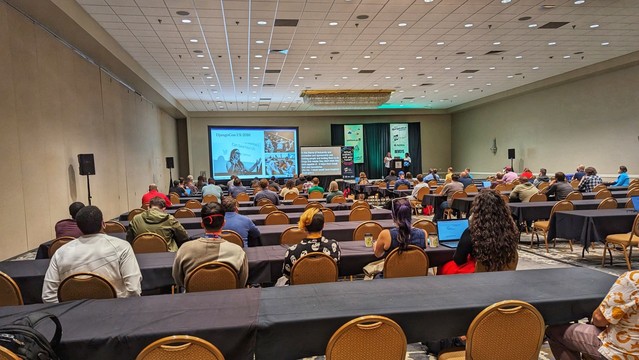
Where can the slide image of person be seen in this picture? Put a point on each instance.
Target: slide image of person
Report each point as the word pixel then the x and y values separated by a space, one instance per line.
pixel 280 165
pixel 279 141
pixel 235 166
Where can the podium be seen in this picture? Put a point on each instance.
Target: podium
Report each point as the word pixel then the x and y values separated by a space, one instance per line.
pixel 397 164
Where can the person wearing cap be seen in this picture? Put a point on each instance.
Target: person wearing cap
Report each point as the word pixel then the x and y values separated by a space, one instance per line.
pixel 509 175
pixel 210 247
pixel 312 222
pixel 401 181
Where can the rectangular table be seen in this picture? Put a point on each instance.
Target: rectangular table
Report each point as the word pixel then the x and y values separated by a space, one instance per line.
pixel 304 317
pixel 587 226
pixel 531 211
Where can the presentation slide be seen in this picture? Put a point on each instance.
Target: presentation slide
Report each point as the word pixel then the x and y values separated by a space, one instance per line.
pixel 250 152
pixel 321 160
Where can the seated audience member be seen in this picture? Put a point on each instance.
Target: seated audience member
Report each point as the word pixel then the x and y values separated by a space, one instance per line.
pixel 526 174
pixel 178 188
pixel 289 188
pixel 189 186
pixel 69 227
pixel 94 252
pixel 448 191
pixel 449 174
pixel 274 185
pixel 499 179
pixel 307 185
pixel 201 182
pixel 409 177
pixel 432 175
pixel 333 190
pixel 265 193
pixel 509 175
pixel 391 176
pixel 239 223
pixel 300 180
pixel 420 184
pixel 558 187
pixel 542 177
pixel 622 179
pixel 211 247
pixel 401 181
pixel 580 172
pixel 490 240
pixel 237 188
pixel 156 220
pixel 403 234
pixel 316 186
pixel 363 180
pixel 524 191
pixel 153 192
pixel 212 189
pixel 255 182
pixel 590 181
pixel 464 179
pixel 311 221
pixel 468 172
pixel 612 332
pixel 231 182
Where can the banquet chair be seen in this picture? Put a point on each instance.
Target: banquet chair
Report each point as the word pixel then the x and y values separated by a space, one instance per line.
pixel 402 187
pixel 314 204
pixel 133 213
pixel 212 275
pixel 290 196
pixel 57 243
pixel 574 195
pixel 111 227
pixel 507 330
pixel 243 197
pixel 408 263
pixel 427 225
pixel 367 227
pixel 438 190
pixel 599 187
pixel 448 213
pixel 268 208
pixel 10 294
pixel 180 347
pixel 602 194
pixel 184 213
pixel 432 183
pixel 501 187
pixel 544 225
pixel 391 183
pixel 359 203
pixel 314 268
pixel 194 204
pixel 367 337
pixel 233 237
pixel 381 184
pixel 506 198
pixel 85 286
pixel 360 214
pixel 292 236
pixel 174 198
pixel 329 215
pixel 625 241
pixel 607 203
pixel 6 354
pixel 276 218
pixel 316 195
pixel 416 205
pixel 629 204
pixel 542 185
pixel 471 188
pixel 264 201
pixel 300 200
pixel 149 242
pixel 632 192
pixel 208 199
pixel 574 183
pixel 538 198
pixel 515 182
pixel 145 206
pixel 338 199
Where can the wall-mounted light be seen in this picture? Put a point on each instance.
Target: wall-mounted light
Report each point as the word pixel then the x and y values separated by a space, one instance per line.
pixel 494 148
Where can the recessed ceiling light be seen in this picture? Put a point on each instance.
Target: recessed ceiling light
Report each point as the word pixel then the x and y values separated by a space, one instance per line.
pixel 497 43
pixel 382 42
pixel 469 76
pixel 258 56
pixel 451 84
pixel 307 68
pixel 344 77
pixel 489 84
pixel 414 85
pixel 332 23
pixel 454 95
pixel 505 1
pixel 300 77
pixel 186 21
pixel 205 67
pixel 355 68
pixel 491 68
pixel 401 24
pixel 199 55
pixel 446 68
pixel 193 40
pixel 255 85
pixel 469 90
pixel 367 56
pixel 468 25
pixel 296 85
pixel 518 57
pixel 322 42
pixel 209 77
pixel 387 77
pixel 261 22
pixel 313 57
pixel 435 90
pixel 532 25
pixel 259 41
pixel 256 67
pixel 375 84
pixel 536 68
pixel 401 91
pixel 336 85
pixel 429 77
pixel 256 77
pixel 552 43
pixel 212 85
pixel 469 57
pixel 401 68
pixel 440 43
pixel 594 26
pixel 418 57
pixel 605 43
pixel 428 1
pixel 579 2
pixel 510 76
pixel 566 56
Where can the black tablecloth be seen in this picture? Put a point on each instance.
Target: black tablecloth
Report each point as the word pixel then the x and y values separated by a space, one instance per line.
pixel 531 211
pixel 121 328
pixel 615 194
pixel 586 226
pixel 298 321
pixel 250 210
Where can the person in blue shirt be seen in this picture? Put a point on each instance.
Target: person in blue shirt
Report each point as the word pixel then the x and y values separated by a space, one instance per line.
pixel 622 179
pixel 401 181
pixel 239 223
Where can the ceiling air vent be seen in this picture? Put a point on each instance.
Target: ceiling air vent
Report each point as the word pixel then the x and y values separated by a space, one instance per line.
pixel 286 22
pixel 409 98
pixel 469 71
pixel 366 71
pixel 553 25
pixel 427 84
pixel 268 85
pixel 267 71
pixel 494 52
pixel 265 99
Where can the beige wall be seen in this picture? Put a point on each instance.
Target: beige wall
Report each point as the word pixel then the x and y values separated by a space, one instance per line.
pixel 316 131
pixel 56 105
pixel 594 121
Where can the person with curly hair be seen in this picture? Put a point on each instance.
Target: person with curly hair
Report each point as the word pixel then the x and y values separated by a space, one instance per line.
pixel 490 242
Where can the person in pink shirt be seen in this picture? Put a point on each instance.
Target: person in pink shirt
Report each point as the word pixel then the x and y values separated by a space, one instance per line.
pixel 509 175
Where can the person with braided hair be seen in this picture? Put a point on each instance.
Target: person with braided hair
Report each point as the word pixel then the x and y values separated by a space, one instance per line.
pixel 490 242
pixel 402 235
pixel 210 247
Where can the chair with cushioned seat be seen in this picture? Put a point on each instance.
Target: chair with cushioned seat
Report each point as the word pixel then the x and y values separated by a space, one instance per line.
pixel 329 215
pixel 632 192
pixel 599 187
pixel 367 337
pixel 300 200
pixel 233 237
pixel 111 227
pixel 427 225
pixel 338 199
pixel 276 218
pixel 544 225
pixel 183 213
pixel 314 204
pixel 291 236
pixel 542 185
pixel 629 204
pixel 314 268
pixel 408 263
pixel 574 195
pixel 212 275
pixel 149 243
pixel 290 196
pixel 10 294
pixel 538 198
pixel 360 214
pixel 367 227
pixel 264 201
pixel 6 354
pixel 209 198
pixel 243 197
pixel 133 213
pixel 607 203
pixel 448 213
pixel 268 208
pixel 85 286
pixel 180 347
pixel 602 194
pixel 194 204
pixel 57 243
pixel 174 198
pixel 359 203
pixel 625 241
pixel 315 195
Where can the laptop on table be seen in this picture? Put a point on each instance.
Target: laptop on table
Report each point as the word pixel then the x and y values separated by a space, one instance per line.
pixel 487 184
pixel 449 232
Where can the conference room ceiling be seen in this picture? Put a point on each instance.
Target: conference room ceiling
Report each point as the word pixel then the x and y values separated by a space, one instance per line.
pixel 227 55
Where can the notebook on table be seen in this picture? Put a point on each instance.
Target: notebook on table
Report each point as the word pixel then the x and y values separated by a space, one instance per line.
pixel 450 231
pixel 487 184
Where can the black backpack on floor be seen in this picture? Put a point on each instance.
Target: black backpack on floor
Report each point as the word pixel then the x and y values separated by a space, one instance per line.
pixel 24 340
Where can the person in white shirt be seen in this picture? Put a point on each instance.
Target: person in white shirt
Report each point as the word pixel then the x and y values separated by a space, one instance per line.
pixel 420 184
pixel 97 253
pixel 387 162
pixel 212 189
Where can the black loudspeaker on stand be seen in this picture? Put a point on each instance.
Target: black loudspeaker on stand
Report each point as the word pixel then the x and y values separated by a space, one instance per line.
pixel 87 167
pixel 511 157
pixel 170 166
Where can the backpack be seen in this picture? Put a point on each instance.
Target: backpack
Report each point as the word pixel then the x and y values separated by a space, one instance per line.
pixel 24 340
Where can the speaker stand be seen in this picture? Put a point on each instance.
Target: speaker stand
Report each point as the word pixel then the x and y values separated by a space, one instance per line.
pixel 89 189
pixel 511 164
pixel 170 178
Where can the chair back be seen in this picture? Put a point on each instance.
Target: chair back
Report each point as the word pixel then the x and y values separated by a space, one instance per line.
pixel 563 205
pixel 422 192
pixel 538 198
pixel 292 236
pixel 338 199
pixel 471 188
pixel 410 262
pixel 300 187
pixel 432 183
pixel 180 347
pixel 501 187
pixel 85 286
pixel 276 218
pixel 133 213
pixel 316 195
pixel 629 204
pixel 511 266
pixel 632 192
pixel 381 184
pixel 508 329
pixel 439 189
pixel 574 183
pixel 367 227
pixel 599 187
pixel 6 354
pixel 243 197
pixel 174 198
pixel 607 203
pixel 515 182
pixel 402 187
pixel 207 199
pixel 264 201
pixel 57 243
pixel 233 237
pixel 505 198
pixel 574 195
pixel 634 181
pixel 313 268
pixel 300 200
pixel 10 294
pixel 426 225
pixel 111 227
pixel 329 215
pixel 542 185
pixel 360 214
pixel 602 194
pixel 213 275
pixel 392 183
pixel 459 195
pixel 367 337
pixel 149 243
pixel 359 203
pixel 184 213
pixel 268 208
pixel 193 204
pixel 314 204
pixel 290 196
